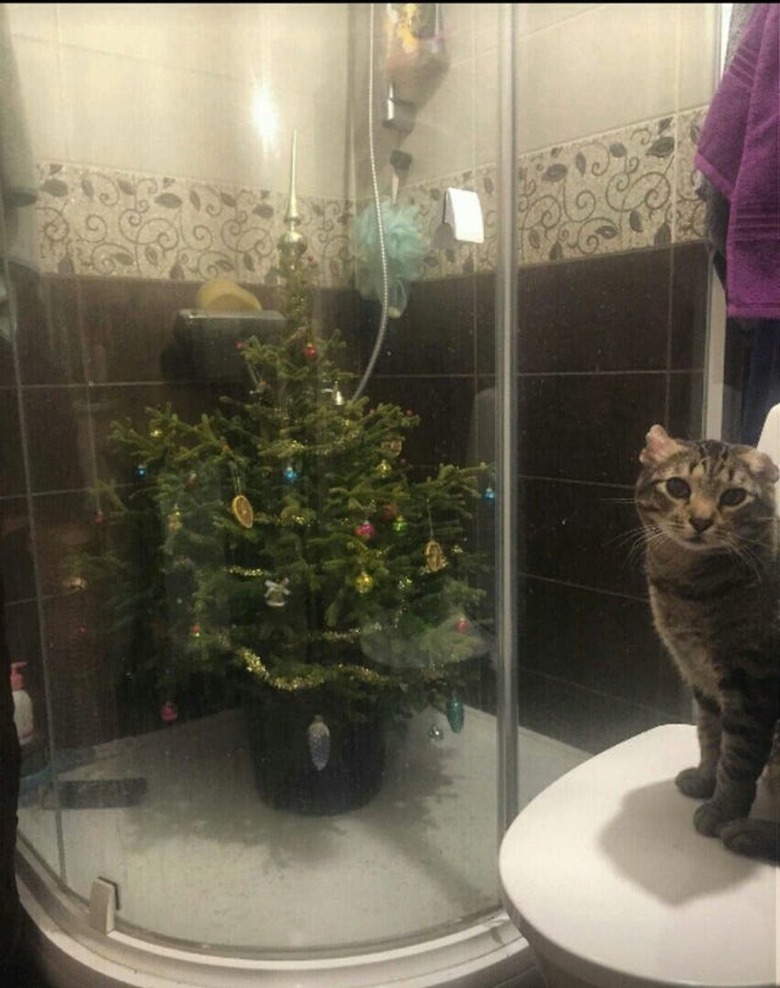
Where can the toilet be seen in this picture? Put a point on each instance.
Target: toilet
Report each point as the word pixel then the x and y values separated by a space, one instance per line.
pixel 605 876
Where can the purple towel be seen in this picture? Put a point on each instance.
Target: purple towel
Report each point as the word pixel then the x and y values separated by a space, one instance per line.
pixel 739 153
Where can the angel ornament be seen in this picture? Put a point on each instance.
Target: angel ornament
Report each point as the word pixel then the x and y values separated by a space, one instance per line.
pixel 276 594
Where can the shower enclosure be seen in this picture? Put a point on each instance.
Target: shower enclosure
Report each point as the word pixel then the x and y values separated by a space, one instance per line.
pixel 536 337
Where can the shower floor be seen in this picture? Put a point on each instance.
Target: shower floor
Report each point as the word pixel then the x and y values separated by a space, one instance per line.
pixel 202 859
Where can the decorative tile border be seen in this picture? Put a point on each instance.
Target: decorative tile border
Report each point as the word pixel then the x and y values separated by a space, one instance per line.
pixel 690 208
pixel 96 222
pixel 627 190
pixel 630 189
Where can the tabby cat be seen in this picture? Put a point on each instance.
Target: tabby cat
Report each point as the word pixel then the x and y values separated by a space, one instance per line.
pixel 712 560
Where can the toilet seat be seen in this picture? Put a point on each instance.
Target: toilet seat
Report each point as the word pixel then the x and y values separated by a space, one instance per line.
pixel 607 879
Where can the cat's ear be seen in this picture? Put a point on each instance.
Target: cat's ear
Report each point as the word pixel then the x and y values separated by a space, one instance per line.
pixel 761 465
pixel 660 446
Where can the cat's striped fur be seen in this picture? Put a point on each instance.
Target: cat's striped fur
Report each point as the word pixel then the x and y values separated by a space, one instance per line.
pixel 712 559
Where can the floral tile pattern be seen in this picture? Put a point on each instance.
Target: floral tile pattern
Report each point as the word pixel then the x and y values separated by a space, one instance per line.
pixel 630 189
pixel 691 209
pixel 611 193
pixel 101 223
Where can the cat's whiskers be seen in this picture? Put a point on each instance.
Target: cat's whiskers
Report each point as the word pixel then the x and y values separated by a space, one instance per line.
pixel 748 552
pixel 636 540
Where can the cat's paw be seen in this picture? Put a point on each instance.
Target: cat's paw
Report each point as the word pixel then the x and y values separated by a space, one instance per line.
pixel 711 818
pixel 695 783
pixel 753 838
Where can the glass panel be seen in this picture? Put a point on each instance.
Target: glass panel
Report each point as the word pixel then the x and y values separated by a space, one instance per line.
pixel 263 557
pixel 138 594
pixel 613 287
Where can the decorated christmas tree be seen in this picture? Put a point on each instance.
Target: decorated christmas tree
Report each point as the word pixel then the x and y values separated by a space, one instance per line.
pixel 282 544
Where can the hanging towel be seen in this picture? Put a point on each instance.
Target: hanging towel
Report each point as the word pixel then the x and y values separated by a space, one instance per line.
pixel 716 217
pixel 17 171
pixel 738 153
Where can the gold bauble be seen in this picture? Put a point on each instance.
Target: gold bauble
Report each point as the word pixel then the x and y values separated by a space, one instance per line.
pixel 364 582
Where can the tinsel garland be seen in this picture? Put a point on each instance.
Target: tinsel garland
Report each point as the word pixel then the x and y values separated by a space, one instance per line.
pixel 323 675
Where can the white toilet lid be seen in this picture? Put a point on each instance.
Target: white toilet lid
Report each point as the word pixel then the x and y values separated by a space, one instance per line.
pixel 604 873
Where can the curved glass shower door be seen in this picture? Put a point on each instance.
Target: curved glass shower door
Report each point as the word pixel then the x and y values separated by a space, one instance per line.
pixel 256 606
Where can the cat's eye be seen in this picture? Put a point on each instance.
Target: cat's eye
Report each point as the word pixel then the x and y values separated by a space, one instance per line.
pixel 733 496
pixel 677 488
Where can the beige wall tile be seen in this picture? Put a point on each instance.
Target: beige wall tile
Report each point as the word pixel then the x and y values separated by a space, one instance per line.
pixel 538 16
pixel 191 125
pixel 39 78
pixel 697 53
pixel 486 27
pixel 102 116
pixel 458 22
pixel 486 108
pixel 192 36
pixel 606 67
pixel 442 141
pixel 33 20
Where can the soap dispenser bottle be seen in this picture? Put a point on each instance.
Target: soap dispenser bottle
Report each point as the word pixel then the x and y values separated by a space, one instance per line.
pixel 23 708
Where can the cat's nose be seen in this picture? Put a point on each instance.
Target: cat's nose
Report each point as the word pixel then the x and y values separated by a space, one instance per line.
pixel 701 524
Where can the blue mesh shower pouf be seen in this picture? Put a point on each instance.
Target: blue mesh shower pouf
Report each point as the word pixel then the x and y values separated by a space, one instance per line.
pixel 405 251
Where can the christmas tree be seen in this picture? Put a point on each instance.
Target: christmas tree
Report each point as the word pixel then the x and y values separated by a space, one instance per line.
pixel 282 544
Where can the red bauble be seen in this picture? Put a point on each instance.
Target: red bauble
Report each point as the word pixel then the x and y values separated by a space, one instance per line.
pixel 463 626
pixel 310 351
pixel 365 531
pixel 168 712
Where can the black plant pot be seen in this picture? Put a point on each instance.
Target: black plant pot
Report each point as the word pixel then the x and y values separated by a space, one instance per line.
pixel 284 770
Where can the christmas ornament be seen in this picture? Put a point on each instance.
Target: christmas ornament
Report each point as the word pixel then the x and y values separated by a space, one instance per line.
pixel 338 397
pixel 489 494
pixel 168 712
pixel 276 594
pixel 290 474
pixel 240 506
pixel 400 525
pixel 455 713
pixel 71 584
pixel 318 736
pixel 99 517
pixel 434 556
pixel 435 733
pixel 463 626
pixel 310 351
pixel 364 582
pixel 365 530
pixel 384 469
pixel 292 515
pixel 392 447
pixel 174 521
pixel 389 512
pixel 242 511
pixel 433 552
pixel 196 631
